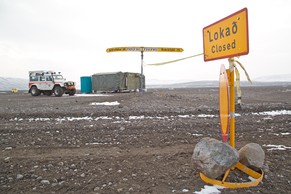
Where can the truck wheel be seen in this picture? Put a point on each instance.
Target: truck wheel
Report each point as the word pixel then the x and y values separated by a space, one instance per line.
pixel 34 91
pixel 72 92
pixel 58 91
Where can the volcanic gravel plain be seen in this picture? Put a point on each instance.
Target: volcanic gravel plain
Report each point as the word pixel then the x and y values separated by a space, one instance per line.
pixel 135 142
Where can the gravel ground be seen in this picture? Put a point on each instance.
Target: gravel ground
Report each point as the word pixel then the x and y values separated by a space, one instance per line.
pixel 142 144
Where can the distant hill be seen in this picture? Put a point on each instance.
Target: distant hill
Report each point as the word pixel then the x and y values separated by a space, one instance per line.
pixel 202 84
pixel 7 83
pixel 274 78
pixel 194 84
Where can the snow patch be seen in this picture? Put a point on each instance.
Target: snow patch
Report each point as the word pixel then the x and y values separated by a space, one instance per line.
pixel 105 118
pixel 237 114
pixel 197 134
pixel 105 103
pixel 251 179
pixel 206 116
pixel 36 119
pixel 274 112
pixel 141 117
pixel 136 117
pixel 276 147
pixel 183 116
pixel 209 190
pixel 104 143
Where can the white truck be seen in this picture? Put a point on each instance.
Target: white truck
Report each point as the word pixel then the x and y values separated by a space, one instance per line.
pixel 48 83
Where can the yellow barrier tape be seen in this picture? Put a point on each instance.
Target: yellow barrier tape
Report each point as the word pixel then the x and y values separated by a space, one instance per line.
pixel 246 73
pixel 237 83
pixel 173 61
pixel 232 65
pixel 237 75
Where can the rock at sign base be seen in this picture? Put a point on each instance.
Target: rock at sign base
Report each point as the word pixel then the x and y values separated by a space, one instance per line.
pixel 213 158
pixel 252 155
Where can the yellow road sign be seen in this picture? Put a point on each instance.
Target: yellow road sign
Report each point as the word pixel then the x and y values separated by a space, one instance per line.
pixel 224 103
pixel 144 49
pixel 227 37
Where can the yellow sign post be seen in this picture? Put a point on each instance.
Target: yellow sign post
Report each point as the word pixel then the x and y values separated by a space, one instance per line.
pixel 142 49
pixel 227 37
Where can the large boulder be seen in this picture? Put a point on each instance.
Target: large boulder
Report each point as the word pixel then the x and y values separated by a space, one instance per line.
pixel 252 155
pixel 213 158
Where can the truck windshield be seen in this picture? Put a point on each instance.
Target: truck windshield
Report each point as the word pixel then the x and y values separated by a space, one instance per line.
pixel 58 77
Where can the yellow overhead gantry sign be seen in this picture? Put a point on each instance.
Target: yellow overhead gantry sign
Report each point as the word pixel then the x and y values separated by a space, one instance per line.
pixel 143 49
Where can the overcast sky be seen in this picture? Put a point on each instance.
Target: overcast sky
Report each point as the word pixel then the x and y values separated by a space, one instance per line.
pixel 72 36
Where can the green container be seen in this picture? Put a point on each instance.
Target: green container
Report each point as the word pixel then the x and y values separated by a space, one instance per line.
pixel 117 82
pixel 86 84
